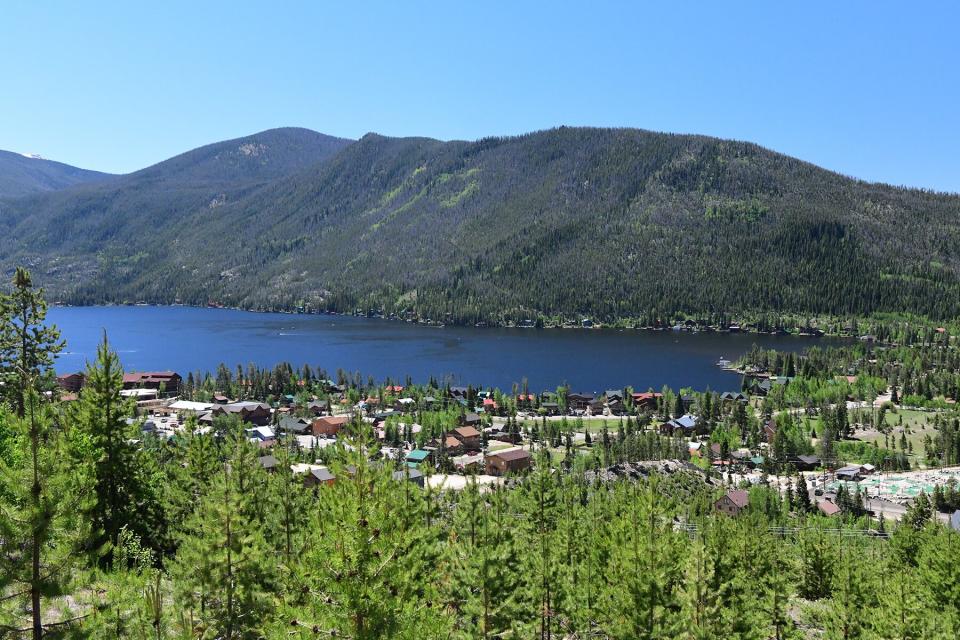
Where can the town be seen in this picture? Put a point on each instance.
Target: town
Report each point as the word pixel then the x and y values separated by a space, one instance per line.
pixel 442 436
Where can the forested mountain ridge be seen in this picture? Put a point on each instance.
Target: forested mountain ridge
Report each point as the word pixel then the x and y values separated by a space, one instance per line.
pixel 21 175
pixel 569 222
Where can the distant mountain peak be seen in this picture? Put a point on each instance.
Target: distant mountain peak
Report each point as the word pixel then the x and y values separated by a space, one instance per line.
pixel 29 173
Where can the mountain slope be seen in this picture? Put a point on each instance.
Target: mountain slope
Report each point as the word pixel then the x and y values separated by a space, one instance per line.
pixel 73 230
pixel 607 223
pixel 21 175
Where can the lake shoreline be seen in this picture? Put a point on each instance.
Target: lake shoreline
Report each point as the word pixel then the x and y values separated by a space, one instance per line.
pixel 185 339
pixel 735 328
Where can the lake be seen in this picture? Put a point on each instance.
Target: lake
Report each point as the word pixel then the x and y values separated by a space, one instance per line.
pixel 185 339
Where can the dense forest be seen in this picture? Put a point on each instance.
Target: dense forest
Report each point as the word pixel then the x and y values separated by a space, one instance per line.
pixel 552 226
pixel 108 532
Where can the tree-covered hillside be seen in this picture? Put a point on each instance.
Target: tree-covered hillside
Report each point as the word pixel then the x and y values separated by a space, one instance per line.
pixel 21 175
pixel 571 222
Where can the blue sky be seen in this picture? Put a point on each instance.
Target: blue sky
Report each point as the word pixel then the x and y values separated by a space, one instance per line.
pixel 870 89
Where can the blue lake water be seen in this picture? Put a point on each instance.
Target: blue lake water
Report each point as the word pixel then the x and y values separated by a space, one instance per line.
pixel 187 339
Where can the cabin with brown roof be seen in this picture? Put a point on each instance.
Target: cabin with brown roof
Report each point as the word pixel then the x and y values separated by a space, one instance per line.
pixel 733 502
pixel 329 426
pixel 257 413
pixel 453 446
pixel 828 508
pixel 168 380
pixel 511 461
pixel 71 382
pixel 469 436
pixel 646 400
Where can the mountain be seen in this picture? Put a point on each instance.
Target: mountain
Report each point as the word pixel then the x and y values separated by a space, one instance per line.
pixel 565 223
pixel 21 175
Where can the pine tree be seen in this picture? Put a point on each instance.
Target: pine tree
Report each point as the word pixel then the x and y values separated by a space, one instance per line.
pixel 126 498
pixel 646 568
pixel 902 613
pixel 374 541
pixel 221 568
pixel 817 561
pixel 484 565
pixel 43 495
pixel 846 615
pixel 27 346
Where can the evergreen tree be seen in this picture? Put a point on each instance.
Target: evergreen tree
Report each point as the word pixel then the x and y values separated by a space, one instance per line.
pixel 126 497
pixel 43 495
pixel 646 569
pixel 372 538
pixel 27 346
pixel 847 616
pixel 221 566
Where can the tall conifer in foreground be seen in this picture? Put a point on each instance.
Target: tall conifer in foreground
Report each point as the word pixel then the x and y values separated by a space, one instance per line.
pixel 43 494
pixel 27 346
pixel 126 500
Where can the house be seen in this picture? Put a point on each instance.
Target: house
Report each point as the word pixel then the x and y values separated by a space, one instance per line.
pixel 317 407
pixel 329 426
pixel 489 405
pixel 647 400
pixel 770 431
pixel 296 426
pixel 597 406
pixel 955 520
pixel 733 503
pixel 828 508
pixel 219 398
pixel 616 407
pixel 695 449
pixel 806 463
pixel 260 434
pixel 849 474
pixel 765 386
pixel 313 474
pixel 686 424
pixel 318 475
pixel 257 413
pixel 269 463
pixel 467 463
pixel 525 400
pixel 410 474
pixel 470 420
pixel 169 381
pixel 452 445
pixel 417 456
pixel 613 394
pixel 469 436
pixel 71 382
pixel 579 401
pixel 459 392
pixel 190 407
pixel 730 396
pixel 550 408
pixel 509 461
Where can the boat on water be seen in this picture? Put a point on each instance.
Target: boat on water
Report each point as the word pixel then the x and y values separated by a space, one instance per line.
pixel 723 363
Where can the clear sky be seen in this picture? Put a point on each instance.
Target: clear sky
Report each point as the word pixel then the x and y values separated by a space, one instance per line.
pixel 870 89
